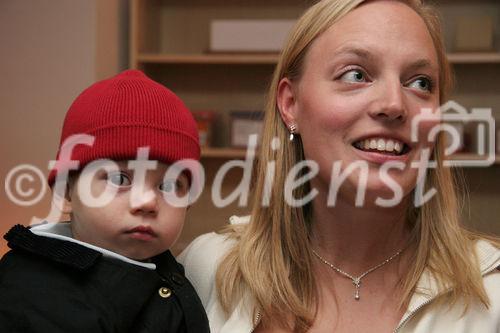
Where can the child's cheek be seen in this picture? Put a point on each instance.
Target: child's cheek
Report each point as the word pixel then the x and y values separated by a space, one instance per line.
pixel 173 224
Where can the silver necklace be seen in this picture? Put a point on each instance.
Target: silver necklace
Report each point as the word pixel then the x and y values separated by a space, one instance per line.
pixel 356 280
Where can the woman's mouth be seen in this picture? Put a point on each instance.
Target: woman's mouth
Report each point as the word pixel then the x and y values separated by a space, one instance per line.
pixel 382 146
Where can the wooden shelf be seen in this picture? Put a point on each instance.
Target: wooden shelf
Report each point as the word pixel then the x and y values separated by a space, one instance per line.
pixel 474 58
pixel 272 58
pixel 238 153
pixel 223 153
pixel 473 156
pixel 245 59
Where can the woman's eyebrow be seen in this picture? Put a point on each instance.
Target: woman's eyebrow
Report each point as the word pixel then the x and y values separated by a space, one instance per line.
pixel 360 52
pixel 421 64
pixel 365 54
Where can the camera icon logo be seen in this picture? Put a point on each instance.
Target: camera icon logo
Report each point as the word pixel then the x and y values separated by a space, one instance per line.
pixel 455 120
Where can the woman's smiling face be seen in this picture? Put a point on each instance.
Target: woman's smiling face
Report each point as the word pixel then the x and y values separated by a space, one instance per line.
pixel 363 81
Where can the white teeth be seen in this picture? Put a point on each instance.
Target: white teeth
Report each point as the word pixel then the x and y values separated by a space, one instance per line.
pixel 380 144
pixel 398 147
pixel 389 146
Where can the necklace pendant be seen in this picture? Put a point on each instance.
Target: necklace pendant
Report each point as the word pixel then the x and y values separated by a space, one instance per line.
pixel 355 280
pixel 357 284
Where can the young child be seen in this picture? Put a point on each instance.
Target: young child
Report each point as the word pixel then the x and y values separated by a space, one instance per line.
pixel 109 269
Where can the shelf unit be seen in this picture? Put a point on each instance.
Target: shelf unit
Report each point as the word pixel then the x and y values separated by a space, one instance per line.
pixel 169 41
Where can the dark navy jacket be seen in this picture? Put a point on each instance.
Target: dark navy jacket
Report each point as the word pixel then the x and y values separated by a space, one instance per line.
pixel 52 285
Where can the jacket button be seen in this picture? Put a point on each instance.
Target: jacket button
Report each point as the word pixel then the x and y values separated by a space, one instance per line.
pixel 165 292
pixel 177 279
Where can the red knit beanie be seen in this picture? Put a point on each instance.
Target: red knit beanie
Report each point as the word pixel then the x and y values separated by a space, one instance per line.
pixel 124 113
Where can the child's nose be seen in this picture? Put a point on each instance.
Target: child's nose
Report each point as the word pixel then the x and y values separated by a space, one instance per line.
pixel 145 205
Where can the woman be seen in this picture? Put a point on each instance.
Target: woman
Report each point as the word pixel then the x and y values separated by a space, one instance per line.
pixel 352 77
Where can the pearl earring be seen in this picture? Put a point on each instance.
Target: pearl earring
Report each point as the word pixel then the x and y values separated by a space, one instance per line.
pixel 292 129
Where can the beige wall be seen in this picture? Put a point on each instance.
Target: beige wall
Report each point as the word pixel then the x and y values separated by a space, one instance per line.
pixel 50 51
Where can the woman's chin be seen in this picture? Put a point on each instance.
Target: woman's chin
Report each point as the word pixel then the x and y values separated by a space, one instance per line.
pixel 375 193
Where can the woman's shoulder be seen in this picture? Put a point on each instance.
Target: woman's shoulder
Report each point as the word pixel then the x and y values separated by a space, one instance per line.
pixel 206 247
pixel 202 257
pixel 489 261
pixel 488 251
pixel 203 249
pixel 488 254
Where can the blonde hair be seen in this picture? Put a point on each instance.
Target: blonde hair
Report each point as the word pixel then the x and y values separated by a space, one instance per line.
pixel 272 259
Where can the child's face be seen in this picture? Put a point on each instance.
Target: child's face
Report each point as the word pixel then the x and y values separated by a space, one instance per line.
pixel 140 230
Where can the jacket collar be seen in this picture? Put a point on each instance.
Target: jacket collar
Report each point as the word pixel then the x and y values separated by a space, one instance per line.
pixel 489 257
pixel 67 253
pixel 53 241
pixel 62 231
pixel 428 288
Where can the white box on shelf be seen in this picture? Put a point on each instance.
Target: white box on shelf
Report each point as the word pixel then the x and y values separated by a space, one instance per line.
pixel 244 124
pixel 497 127
pixel 249 35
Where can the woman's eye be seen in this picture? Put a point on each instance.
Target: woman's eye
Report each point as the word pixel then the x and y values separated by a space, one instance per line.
pixel 354 75
pixel 119 179
pixel 422 83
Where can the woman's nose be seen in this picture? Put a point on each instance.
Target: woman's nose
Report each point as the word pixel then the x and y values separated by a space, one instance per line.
pixel 390 104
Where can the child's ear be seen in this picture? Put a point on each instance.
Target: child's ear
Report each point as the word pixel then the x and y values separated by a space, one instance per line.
pixel 66 208
pixel 63 202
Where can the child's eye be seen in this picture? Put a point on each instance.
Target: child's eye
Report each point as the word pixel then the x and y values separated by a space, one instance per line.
pixel 171 186
pixel 119 179
pixel 168 186
pixel 422 83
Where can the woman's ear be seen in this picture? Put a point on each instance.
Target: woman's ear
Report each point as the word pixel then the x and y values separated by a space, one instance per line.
pixel 287 102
